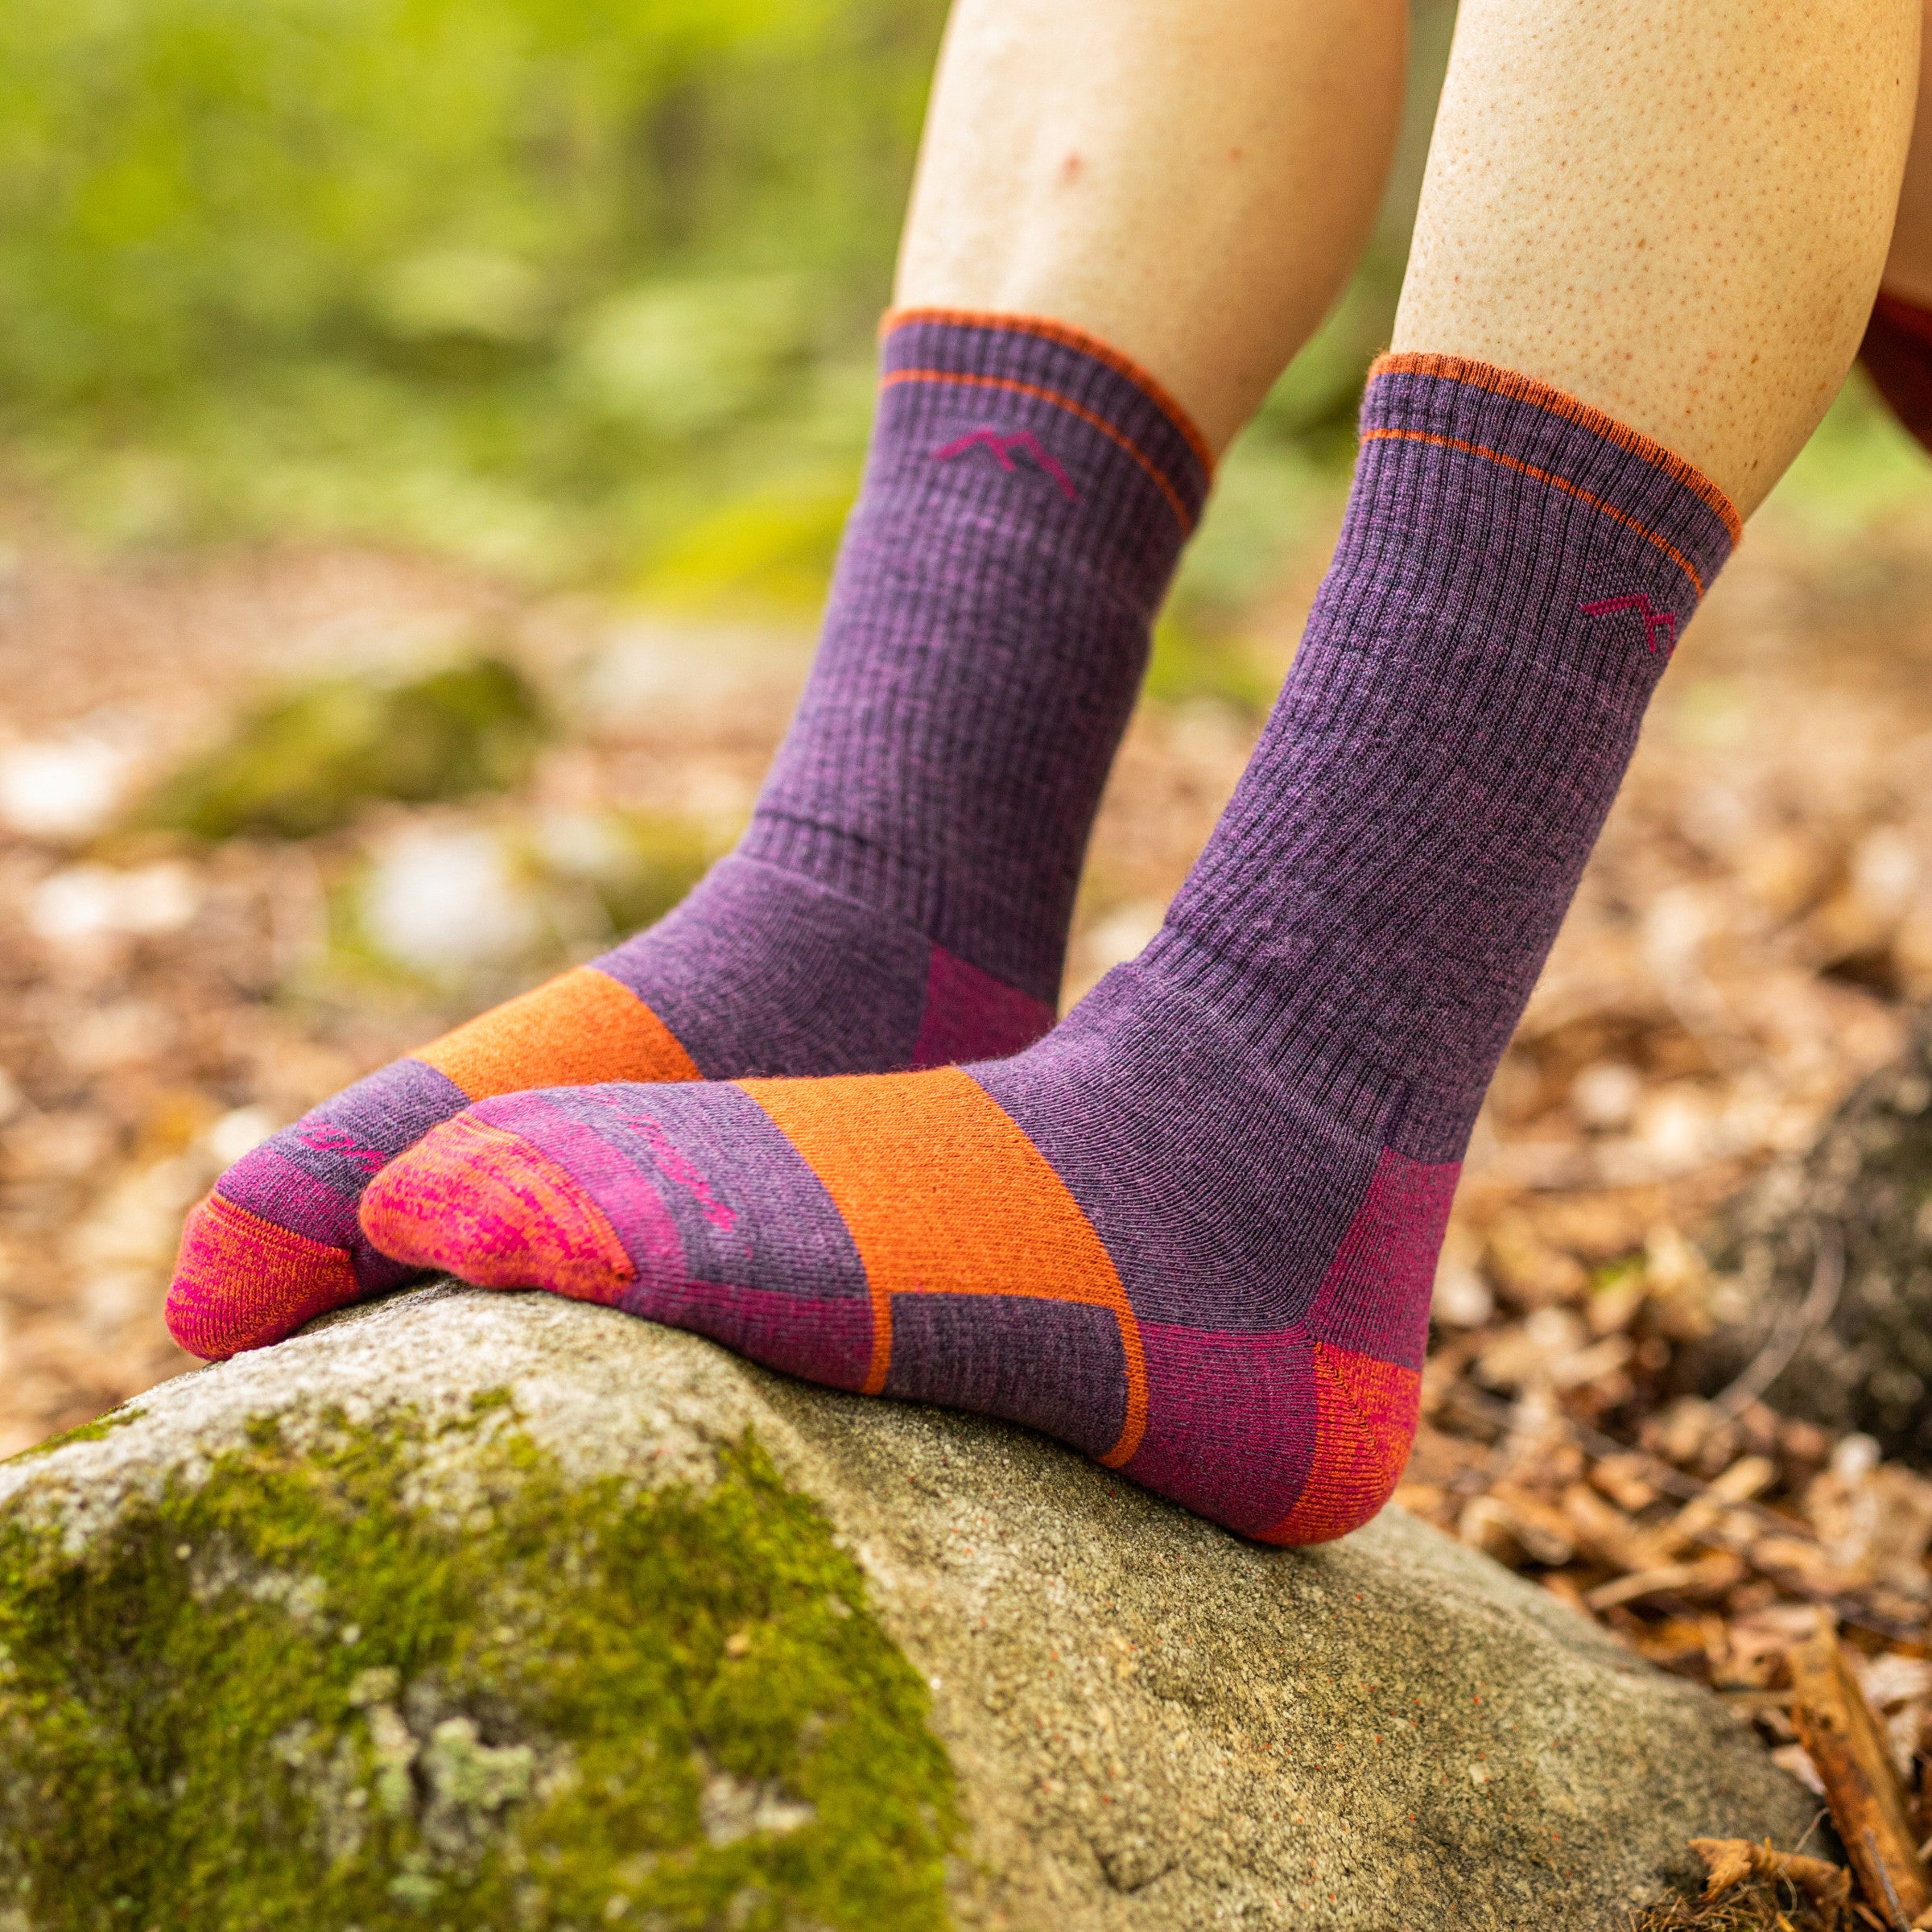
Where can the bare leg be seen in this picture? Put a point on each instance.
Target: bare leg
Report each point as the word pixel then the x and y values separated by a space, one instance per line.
pixel 1675 209
pixel 1909 266
pixel 1190 183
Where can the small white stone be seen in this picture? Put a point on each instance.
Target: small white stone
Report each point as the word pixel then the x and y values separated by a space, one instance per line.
pixel 85 902
pixel 1855 1458
pixel 1605 1095
pixel 61 789
pixel 445 901
pixel 1461 1298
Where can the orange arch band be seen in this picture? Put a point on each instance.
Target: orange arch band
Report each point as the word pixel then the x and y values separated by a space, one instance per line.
pixel 943 1195
pixel 574 1030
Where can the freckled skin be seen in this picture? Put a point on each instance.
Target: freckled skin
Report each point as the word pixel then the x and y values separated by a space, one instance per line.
pixel 1676 209
pixel 1190 183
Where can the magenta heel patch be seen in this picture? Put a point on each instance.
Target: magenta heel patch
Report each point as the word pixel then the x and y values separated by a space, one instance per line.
pixel 970 1015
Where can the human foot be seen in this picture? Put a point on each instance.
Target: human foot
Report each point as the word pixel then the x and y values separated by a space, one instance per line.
pixel 1193 1230
pixel 902 896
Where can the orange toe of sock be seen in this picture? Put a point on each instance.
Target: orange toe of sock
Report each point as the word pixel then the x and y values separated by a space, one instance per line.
pixel 242 1282
pixel 487 1206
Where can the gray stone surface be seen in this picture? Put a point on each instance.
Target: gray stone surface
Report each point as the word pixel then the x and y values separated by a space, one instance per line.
pixel 1156 1728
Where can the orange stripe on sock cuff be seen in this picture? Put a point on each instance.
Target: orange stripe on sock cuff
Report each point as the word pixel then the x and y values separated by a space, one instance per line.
pixel 943 1195
pixel 1064 333
pixel 1554 482
pixel 1155 474
pixel 1572 409
pixel 574 1030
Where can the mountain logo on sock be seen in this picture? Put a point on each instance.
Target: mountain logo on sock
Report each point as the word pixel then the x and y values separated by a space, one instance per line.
pixel 326 1139
pixel 680 1173
pixel 1657 623
pixel 1003 447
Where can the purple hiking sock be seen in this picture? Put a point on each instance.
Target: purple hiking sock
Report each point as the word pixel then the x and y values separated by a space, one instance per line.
pixel 1192 1231
pixel 902 896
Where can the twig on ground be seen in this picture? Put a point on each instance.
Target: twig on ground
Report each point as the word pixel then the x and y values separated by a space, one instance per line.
pixel 1780 1529
pixel 1848 1745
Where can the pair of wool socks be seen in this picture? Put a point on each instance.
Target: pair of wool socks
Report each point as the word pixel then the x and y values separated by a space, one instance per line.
pixel 1192 1230
pixel 901 898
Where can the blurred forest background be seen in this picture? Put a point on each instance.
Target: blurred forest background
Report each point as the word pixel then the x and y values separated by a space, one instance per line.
pixel 426 427
pixel 579 293
pixel 580 296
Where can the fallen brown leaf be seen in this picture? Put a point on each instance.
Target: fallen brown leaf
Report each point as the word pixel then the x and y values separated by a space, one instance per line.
pixel 1707 1576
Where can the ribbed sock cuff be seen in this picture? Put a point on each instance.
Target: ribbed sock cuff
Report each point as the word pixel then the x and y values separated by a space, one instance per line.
pixel 1028 493
pixel 1050 362
pixel 1533 428
pixel 1512 578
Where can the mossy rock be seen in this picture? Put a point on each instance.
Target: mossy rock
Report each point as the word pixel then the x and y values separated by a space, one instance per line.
pixel 561 1704
pixel 308 760
pixel 487 1611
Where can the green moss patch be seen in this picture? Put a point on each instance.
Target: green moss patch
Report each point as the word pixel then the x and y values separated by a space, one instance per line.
pixel 88 1432
pixel 307 761
pixel 408 1676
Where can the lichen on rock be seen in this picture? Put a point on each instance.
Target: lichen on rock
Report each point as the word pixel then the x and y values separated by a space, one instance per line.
pixel 100 1428
pixel 309 1684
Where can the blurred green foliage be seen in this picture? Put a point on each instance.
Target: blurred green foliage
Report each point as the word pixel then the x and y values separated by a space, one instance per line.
pixel 539 282
pixel 307 761
pixel 576 290
pixel 638 865
pixel 1861 466
pixel 1189 663
pixel 447 185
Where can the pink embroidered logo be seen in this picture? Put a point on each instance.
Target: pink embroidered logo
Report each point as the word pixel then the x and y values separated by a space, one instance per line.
pixel 1003 447
pixel 676 1169
pixel 340 1142
pixel 1657 623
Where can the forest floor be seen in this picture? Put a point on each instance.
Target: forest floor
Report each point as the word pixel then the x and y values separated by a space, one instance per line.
pixel 1747 945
